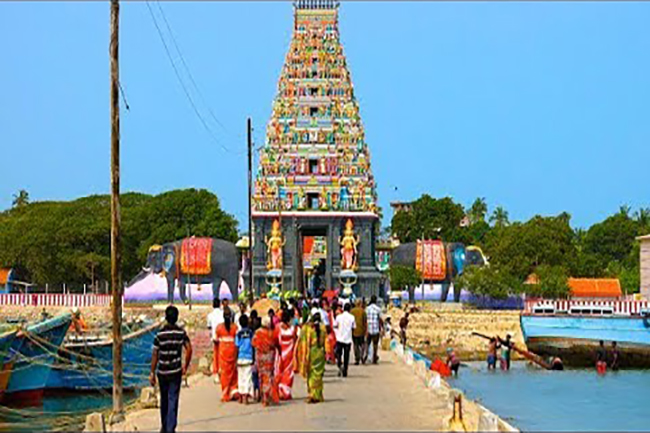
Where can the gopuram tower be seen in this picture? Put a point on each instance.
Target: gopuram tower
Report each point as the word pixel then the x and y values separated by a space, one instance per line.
pixel 315 200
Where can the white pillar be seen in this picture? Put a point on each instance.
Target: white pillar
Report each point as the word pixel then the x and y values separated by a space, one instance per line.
pixel 645 266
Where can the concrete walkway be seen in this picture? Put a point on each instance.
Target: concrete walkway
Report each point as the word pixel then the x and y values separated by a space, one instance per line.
pixel 387 396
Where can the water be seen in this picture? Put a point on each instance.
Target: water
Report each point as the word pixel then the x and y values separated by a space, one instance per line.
pixel 533 399
pixel 65 412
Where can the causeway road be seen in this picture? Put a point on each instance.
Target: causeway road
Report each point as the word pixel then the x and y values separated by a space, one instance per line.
pixel 386 396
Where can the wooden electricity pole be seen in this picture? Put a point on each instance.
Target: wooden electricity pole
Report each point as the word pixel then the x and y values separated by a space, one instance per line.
pixel 250 210
pixel 116 250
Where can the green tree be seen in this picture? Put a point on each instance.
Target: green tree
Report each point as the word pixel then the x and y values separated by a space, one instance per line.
pixel 429 218
pixel 522 247
pixel 553 282
pixel 21 199
pixel 499 217
pixel 612 240
pixel 495 281
pixel 625 210
pixel 404 277
pixel 69 242
pixel 642 217
pixel 478 211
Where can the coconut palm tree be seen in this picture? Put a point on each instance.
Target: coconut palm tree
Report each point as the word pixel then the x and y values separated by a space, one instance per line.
pixel 500 217
pixel 21 199
pixel 478 210
pixel 642 217
pixel 625 210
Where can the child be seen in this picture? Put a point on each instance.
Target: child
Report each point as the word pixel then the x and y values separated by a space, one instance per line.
pixel 452 361
pixel 388 328
pixel 243 341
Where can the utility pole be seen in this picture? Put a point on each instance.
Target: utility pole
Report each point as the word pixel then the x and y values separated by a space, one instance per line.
pixel 116 249
pixel 250 209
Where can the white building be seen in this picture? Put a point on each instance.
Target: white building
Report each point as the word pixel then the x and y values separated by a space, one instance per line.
pixel 645 266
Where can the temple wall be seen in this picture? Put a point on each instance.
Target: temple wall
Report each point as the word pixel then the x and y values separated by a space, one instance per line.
pixel 369 278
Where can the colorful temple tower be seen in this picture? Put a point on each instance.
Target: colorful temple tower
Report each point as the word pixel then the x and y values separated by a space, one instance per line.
pixel 314 179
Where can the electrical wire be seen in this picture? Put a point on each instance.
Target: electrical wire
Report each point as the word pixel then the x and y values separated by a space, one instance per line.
pixel 189 73
pixel 182 83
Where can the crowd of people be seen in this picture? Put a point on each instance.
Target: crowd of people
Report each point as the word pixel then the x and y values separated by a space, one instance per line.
pixel 256 354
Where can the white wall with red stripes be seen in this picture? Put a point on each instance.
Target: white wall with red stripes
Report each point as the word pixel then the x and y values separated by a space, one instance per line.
pixel 619 306
pixel 55 299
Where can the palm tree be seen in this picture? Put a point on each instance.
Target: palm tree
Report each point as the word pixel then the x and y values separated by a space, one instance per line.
pixel 21 199
pixel 642 217
pixel 478 210
pixel 500 217
pixel 625 210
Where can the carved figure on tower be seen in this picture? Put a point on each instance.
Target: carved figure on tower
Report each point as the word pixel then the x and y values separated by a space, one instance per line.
pixel 349 243
pixel 274 245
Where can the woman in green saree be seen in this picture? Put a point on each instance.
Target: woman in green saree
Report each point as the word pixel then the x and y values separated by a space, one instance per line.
pixel 310 357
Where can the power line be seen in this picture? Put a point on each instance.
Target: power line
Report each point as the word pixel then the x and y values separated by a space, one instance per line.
pixel 180 80
pixel 189 73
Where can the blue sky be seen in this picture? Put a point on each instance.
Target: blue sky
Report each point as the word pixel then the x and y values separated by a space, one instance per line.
pixel 539 107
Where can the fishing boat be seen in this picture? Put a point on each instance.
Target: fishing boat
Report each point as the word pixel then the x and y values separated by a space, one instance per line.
pixel 572 330
pixel 86 363
pixel 30 357
pixel 6 339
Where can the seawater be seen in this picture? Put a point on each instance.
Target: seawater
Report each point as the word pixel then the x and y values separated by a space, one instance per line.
pixel 62 412
pixel 533 399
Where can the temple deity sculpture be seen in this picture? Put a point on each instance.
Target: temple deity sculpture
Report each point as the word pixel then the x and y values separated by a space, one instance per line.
pixel 349 244
pixel 274 245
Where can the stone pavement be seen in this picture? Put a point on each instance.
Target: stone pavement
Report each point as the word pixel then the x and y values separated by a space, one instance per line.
pixel 387 396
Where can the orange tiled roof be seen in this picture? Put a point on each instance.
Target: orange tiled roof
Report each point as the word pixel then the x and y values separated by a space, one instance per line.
pixel 595 287
pixel 532 279
pixel 4 275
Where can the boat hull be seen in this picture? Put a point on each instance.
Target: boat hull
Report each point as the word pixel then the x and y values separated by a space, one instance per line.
pixel 32 353
pixel 6 364
pixel 87 367
pixel 575 339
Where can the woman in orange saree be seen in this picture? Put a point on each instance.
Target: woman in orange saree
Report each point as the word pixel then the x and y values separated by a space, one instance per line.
pixel 225 338
pixel 265 344
pixel 286 335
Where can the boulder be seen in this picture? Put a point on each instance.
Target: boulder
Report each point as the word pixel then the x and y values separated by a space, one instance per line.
pixel 148 398
pixel 95 423
pixel 488 421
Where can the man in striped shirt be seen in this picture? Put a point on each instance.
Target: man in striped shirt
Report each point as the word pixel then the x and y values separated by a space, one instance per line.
pixel 167 364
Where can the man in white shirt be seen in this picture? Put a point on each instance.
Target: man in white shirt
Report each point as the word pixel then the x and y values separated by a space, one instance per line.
pixel 215 318
pixel 324 317
pixel 343 326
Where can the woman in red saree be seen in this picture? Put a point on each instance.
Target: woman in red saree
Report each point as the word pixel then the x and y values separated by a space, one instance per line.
pixel 266 344
pixel 330 341
pixel 286 335
pixel 225 338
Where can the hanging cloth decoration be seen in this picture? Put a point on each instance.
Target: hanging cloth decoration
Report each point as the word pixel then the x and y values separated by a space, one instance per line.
pixel 196 256
pixel 431 260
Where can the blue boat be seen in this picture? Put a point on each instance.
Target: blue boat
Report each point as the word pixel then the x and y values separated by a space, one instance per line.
pixel 31 355
pixel 574 336
pixel 6 339
pixel 88 365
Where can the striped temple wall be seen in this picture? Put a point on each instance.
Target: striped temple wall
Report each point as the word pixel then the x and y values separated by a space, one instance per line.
pixel 55 300
pixel 619 306
pixel 645 267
